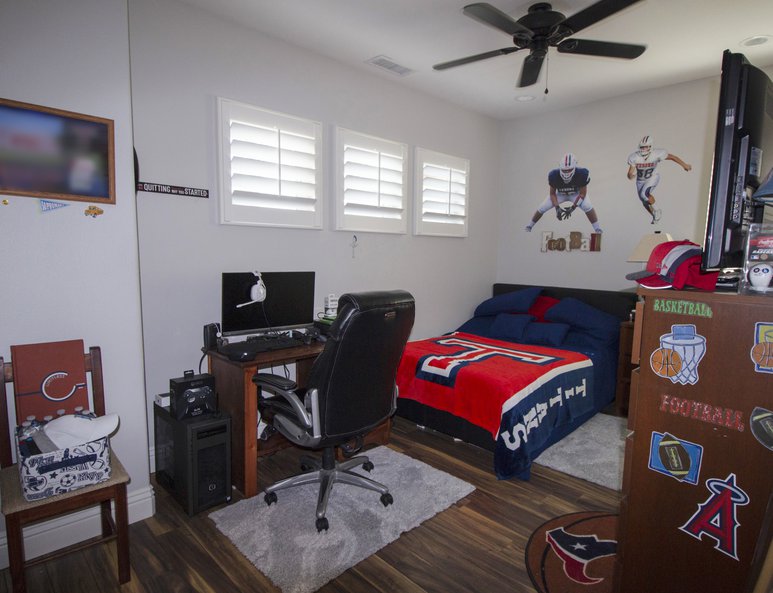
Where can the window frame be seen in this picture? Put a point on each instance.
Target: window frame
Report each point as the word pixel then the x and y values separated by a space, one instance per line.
pixel 364 223
pixel 422 157
pixel 229 110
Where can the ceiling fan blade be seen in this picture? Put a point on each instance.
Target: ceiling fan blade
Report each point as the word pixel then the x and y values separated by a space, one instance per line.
pixel 531 69
pixel 604 49
pixel 489 15
pixel 595 13
pixel 489 54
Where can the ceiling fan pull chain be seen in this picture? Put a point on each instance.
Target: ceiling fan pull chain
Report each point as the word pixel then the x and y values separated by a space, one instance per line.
pixel 547 72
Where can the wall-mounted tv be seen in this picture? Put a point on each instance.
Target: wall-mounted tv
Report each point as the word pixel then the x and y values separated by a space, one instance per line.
pixel 743 154
pixel 54 154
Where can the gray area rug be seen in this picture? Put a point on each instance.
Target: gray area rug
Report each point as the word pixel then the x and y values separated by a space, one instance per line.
pixel 593 452
pixel 282 540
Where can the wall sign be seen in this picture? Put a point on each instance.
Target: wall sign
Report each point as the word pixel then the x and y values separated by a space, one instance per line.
pixel 160 188
pixel 576 241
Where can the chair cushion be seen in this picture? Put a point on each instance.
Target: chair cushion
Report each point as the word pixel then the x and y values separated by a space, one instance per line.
pixel 12 499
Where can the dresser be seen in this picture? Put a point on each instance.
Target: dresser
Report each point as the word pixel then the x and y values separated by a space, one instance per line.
pixel 697 508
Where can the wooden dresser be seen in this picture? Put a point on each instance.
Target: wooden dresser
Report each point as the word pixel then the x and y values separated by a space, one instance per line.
pixel 697 503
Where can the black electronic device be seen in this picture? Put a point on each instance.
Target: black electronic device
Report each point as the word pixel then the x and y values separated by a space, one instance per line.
pixel 743 152
pixel 211 334
pixel 192 395
pixel 193 458
pixel 288 302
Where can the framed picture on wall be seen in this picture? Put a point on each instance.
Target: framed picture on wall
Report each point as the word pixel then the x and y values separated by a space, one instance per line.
pixel 54 154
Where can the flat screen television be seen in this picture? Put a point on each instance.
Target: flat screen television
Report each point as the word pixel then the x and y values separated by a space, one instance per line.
pixel 743 155
pixel 54 154
pixel 289 302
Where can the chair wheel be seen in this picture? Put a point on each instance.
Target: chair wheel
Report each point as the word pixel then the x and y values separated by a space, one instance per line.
pixel 368 466
pixel 386 499
pixel 270 498
pixel 322 524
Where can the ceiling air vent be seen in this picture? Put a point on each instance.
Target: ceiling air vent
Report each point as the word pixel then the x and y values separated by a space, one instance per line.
pixel 387 64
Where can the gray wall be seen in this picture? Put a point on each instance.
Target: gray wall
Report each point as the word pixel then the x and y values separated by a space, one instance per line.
pixel 66 275
pixel 182 59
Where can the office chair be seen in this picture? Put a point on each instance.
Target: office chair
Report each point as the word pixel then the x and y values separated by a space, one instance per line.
pixel 41 359
pixel 351 390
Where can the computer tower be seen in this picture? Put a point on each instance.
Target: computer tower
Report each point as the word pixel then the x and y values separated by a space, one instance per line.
pixel 193 458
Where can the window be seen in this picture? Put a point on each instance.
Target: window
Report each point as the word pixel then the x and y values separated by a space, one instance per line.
pixel 442 194
pixel 371 183
pixel 271 168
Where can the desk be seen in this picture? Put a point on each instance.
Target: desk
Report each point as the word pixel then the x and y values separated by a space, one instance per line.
pixel 238 396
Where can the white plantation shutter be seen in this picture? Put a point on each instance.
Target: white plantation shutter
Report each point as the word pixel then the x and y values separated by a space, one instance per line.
pixel 270 168
pixel 372 182
pixel 442 194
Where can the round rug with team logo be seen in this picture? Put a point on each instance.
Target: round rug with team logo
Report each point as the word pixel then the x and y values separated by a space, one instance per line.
pixel 573 553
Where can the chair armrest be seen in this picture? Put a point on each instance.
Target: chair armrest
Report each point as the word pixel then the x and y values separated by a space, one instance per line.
pixel 285 388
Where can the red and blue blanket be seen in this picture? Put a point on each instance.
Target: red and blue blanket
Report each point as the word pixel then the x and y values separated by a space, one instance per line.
pixel 519 393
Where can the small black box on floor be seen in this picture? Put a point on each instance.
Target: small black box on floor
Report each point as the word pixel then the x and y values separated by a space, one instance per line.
pixel 192 395
pixel 193 458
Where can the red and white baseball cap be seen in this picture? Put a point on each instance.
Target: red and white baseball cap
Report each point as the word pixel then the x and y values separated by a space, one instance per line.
pixel 675 264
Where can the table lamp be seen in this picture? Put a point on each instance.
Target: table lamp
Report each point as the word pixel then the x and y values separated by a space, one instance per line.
pixel 641 253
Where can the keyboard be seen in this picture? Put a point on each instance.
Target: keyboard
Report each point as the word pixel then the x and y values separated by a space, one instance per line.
pixel 248 349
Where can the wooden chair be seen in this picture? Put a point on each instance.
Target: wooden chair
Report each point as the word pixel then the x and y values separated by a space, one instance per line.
pixel 19 512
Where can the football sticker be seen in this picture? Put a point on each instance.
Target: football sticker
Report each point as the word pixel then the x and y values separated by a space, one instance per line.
pixel 675 457
pixel 762 426
pixel 679 353
pixel 762 351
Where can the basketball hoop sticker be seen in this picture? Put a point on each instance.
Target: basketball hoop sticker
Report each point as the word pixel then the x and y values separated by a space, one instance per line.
pixel 679 353
pixel 762 351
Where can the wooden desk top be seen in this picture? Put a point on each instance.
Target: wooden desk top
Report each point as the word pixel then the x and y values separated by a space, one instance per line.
pixel 275 356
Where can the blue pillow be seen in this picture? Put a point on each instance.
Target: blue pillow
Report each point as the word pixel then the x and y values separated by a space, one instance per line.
pixel 582 316
pixel 545 334
pixel 510 327
pixel 479 326
pixel 517 301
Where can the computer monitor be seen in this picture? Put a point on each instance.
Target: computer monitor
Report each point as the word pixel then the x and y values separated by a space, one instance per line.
pixel 289 302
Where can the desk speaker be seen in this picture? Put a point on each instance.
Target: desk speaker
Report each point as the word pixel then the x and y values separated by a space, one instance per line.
pixel 193 458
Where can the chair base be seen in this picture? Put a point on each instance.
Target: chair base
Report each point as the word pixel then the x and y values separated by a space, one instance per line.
pixel 327 472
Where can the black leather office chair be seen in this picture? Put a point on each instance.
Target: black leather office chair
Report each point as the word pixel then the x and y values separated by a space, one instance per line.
pixel 351 390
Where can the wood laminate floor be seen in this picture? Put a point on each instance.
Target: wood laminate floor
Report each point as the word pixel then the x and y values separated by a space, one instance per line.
pixel 476 545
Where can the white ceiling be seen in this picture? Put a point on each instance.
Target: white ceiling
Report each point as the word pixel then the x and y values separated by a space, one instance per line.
pixel 684 38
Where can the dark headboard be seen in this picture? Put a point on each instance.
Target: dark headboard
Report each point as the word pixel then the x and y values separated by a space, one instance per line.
pixel 617 303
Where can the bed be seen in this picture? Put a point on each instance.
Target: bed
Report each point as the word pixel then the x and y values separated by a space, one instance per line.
pixel 531 366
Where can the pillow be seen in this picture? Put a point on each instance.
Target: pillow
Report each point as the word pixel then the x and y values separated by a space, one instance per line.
pixel 479 326
pixel 540 307
pixel 582 316
pixel 545 334
pixel 509 327
pixel 517 301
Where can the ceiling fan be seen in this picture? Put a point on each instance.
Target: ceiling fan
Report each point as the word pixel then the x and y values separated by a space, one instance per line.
pixel 541 28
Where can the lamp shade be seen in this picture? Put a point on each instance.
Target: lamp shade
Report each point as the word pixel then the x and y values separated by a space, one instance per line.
pixel 643 249
pixel 764 192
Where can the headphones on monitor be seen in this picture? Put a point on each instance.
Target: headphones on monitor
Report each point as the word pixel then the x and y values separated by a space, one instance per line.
pixel 257 292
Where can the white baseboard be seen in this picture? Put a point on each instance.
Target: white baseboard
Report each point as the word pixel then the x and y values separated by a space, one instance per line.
pixel 48 536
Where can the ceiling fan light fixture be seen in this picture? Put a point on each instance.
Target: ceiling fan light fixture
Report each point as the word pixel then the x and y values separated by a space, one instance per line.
pixel 756 40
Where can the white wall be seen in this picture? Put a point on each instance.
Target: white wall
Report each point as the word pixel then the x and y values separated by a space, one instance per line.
pixel 682 119
pixel 182 59
pixel 66 275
